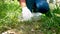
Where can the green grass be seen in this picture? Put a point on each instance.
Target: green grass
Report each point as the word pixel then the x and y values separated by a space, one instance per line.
pixel 9 20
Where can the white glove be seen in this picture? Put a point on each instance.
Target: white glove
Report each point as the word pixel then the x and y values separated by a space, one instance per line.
pixel 26 13
pixel 36 16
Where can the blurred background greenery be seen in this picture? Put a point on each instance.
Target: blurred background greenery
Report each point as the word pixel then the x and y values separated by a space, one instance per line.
pixel 10 10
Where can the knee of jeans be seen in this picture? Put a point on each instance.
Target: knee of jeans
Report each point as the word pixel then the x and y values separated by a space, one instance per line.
pixel 42 6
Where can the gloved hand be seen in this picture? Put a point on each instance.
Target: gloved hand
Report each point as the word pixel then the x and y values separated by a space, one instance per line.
pixel 26 13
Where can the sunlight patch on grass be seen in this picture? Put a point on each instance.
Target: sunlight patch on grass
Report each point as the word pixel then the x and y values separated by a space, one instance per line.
pixel 58 15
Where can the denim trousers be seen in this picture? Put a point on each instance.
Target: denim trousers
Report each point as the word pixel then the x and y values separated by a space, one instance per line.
pixel 37 5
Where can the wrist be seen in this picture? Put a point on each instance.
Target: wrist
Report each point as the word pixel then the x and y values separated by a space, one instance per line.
pixel 23 8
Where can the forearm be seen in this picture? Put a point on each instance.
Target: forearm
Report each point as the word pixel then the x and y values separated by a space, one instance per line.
pixel 22 3
pixel 26 13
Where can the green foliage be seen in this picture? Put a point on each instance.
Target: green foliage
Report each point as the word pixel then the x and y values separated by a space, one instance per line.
pixel 9 13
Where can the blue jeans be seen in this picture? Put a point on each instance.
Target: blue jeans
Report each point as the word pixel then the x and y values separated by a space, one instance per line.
pixel 37 6
pixel 30 4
